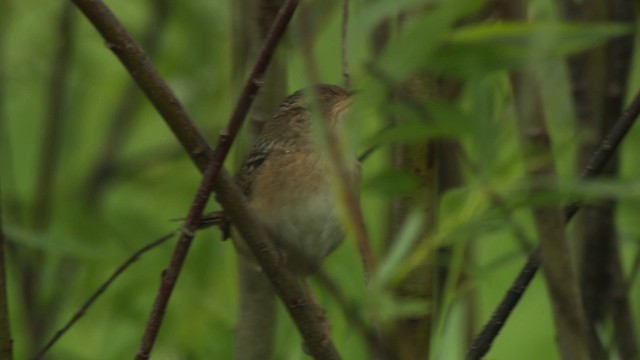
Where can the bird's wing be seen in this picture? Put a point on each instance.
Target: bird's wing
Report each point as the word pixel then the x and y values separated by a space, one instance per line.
pixel 247 173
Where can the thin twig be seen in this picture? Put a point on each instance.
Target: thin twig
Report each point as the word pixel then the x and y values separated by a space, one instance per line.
pixel 595 165
pixel 100 290
pixel 251 87
pixel 178 257
pixel 302 311
pixel 346 80
pixel 345 183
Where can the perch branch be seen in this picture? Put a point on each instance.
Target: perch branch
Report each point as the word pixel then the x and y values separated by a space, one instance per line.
pixel 594 167
pixel 101 289
pixel 133 58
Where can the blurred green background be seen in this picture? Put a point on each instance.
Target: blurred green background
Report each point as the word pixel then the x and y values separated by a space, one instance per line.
pixel 90 232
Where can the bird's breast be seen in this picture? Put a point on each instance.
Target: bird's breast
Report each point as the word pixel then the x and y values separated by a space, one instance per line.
pixel 294 199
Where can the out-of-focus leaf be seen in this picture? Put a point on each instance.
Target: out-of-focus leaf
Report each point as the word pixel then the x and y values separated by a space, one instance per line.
pixel 398 253
pixel 379 11
pixel 392 183
pixel 410 133
pixel 403 57
pixel 444 121
pixel 482 48
pixel 389 308
pixel 53 244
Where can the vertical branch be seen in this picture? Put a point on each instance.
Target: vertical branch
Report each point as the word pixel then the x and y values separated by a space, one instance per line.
pixel 53 123
pixel 170 276
pixel 412 335
pixel 255 330
pixel 346 81
pixel 123 116
pixel 6 342
pixel 562 283
pixel 297 303
pixel 618 59
pixel 608 147
pixel 599 81
pixel 46 176
pixel 256 325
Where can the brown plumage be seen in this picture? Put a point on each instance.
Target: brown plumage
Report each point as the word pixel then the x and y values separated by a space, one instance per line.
pixel 286 178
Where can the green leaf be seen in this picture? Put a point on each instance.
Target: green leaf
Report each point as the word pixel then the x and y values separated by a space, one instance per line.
pixel 445 121
pixel 408 54
pixel 483 48
pixel 392 183
pixel 377 12
pixel 401 248
pixel 55 244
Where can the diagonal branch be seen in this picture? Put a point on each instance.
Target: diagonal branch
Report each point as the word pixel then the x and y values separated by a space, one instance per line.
pixel 301 309
pixel 100 290
pixel 595 165
pixel 572 329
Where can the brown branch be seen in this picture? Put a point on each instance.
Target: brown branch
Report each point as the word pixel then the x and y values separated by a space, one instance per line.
pixel 146 76
pixel 255 328
pixel 101 289
pixel 561 280
pixel 594 167
pixel 372 337
pixel 598 79
pixel 618 58
pixel 295 299
pixel 170 274
pixel 346 80
pixel 575 341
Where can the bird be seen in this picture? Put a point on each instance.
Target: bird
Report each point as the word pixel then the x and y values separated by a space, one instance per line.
pixel 286 177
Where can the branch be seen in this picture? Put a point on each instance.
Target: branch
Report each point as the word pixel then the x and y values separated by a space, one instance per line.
pixel 372 337
pixel 131 55
pixel 122 118
pixel 343 177
pixel 346 81
pixel 101 289
pixel 6 342
pixel 562 283
pixel 594 167
pixel 47 169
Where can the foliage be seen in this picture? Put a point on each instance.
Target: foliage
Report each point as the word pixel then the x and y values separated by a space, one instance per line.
pixel 152 182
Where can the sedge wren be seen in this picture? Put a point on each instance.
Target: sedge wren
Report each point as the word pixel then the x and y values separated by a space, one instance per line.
pixel 286 178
